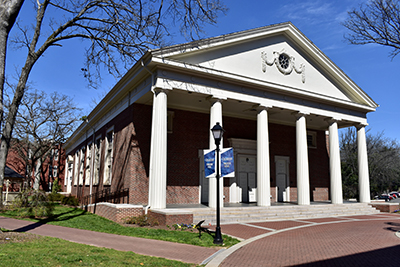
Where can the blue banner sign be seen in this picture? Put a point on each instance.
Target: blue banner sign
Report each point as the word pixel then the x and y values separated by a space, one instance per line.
pixel 227 163
pixel 226 166
pixel 209 163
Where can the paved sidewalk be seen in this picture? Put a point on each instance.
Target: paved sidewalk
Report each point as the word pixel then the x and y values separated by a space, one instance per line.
pixel 163 249
pixel 368 240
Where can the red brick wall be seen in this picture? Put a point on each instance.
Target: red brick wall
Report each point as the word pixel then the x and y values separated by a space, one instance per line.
pixel 386 207
pixel 113 212
pixel 190 133
pixel 132 129
pixel 164 219
pixel 319 169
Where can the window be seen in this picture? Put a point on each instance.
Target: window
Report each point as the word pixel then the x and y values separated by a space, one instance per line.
pixel 81 165
pixel 55 171
pixel 283 61
pixel 88 163
pixel 312 139
pixel 97 150
pixel 76 169
pixel 170 118
pixel 108 158
pixel 55 154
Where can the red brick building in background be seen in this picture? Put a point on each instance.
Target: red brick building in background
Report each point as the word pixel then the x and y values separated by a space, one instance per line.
pixel 275 94
pixel 45 173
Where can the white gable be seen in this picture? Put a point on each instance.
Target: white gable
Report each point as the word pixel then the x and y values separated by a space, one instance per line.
pixel 254 54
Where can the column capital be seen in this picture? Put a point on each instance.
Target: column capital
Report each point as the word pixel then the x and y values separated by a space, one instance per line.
pixel 216 98
pixel 260 107
pixel 299 114
pixel 332 120
pixel 360 125
pixel 158 90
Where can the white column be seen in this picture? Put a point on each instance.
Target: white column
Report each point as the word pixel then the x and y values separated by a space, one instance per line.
pixel 158 152
pixel 263 168
pixel 303 181
pixel 215 116
pixel 334 164
pixel 363 174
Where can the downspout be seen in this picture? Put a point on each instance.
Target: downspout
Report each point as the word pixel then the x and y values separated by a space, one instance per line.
pixel 146 209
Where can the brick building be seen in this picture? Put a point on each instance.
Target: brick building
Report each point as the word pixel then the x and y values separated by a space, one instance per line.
pixel 273 91
pixel 44 172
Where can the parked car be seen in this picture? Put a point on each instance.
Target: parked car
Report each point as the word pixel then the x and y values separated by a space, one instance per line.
pixel 385 197
pixel 396 194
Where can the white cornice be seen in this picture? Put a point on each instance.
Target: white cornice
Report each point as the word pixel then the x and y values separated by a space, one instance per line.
pixel 234 78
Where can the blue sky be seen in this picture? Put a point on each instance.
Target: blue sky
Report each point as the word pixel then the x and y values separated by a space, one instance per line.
pixel 369 66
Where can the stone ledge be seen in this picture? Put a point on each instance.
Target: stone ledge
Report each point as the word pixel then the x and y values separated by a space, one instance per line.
pixel 385 207
pixel 171 217
pixel 115 212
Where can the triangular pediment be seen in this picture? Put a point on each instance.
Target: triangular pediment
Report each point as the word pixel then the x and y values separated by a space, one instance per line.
pixel 279 56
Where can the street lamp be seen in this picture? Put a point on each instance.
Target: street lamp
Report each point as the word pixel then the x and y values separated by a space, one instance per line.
pixel 217 132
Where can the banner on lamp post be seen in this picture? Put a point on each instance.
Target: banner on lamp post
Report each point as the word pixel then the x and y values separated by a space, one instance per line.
pixel 209 163
pixel 226 159
pixel 227 163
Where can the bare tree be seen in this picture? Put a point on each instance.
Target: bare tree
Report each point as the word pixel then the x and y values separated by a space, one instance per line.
pixel 376 22
pixel 383 163
pixel 118 31
pixel 43 123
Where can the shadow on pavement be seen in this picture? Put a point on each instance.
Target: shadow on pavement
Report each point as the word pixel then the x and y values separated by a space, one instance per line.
pixel 74 213
pixel 380 257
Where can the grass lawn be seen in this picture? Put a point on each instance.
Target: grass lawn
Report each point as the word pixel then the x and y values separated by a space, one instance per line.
pixel 47 251
pixel 78 218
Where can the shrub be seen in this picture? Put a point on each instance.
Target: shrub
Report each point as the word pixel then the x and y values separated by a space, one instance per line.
pixel 142 220
pixel 70 201
pixel 32 203
pixel 55 197
pixel 56 187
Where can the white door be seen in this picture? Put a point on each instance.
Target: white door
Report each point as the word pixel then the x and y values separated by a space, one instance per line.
pixel 251 177
pixel 243 186
pixel 282 181
pixel 247 178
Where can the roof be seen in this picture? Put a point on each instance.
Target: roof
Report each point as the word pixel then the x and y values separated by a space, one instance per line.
pixel 235 60
pixel 11 174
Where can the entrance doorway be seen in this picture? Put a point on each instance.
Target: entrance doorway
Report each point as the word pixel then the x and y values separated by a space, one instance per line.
pixel 247 178
pixel 282 178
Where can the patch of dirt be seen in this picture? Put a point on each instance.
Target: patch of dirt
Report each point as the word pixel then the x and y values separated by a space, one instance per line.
pixel 12 237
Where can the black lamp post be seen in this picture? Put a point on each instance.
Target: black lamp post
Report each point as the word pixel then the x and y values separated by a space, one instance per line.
pixel 217 132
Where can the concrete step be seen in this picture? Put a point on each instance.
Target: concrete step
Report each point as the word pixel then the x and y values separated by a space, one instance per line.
pixel 273 213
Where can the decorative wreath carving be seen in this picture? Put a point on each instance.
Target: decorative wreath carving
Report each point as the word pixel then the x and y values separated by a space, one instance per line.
pixel 284 62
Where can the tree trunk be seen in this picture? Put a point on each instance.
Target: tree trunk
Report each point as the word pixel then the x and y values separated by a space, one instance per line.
pixel 9 10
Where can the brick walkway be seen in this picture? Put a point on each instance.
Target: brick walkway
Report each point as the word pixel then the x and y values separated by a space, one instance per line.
pixel 341 241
